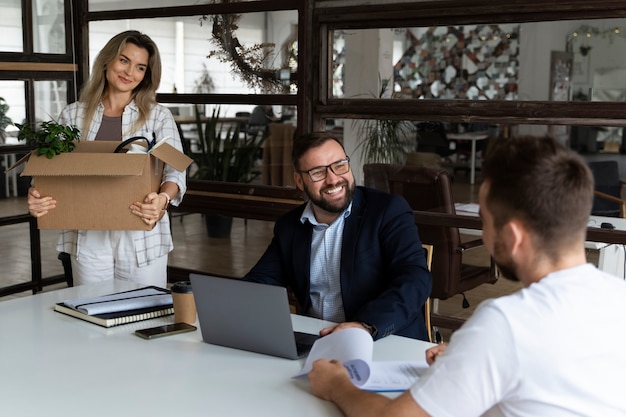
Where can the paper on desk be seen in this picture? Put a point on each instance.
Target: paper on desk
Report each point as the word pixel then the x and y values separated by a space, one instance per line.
pixel 124 301
pixel 385 375
pixel 468 207
pixel 354 348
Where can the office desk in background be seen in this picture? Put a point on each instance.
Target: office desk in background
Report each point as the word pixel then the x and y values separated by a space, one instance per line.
pixel 611 256
pixel 473 137
pixel 55 365
pixel 191 120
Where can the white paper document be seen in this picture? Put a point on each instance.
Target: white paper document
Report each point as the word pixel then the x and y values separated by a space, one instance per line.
pixel 353 348
pixel 468 207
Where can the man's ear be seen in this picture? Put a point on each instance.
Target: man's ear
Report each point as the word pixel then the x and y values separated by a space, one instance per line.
pixel 297 178
pixel 515 235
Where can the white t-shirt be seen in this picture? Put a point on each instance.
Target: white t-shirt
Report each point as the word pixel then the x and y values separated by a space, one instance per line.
pixel 556 348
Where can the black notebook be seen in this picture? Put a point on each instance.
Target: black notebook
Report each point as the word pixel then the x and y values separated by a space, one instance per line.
pixel 120 308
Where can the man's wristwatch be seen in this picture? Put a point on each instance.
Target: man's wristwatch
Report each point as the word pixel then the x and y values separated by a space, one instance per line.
pixel 369 328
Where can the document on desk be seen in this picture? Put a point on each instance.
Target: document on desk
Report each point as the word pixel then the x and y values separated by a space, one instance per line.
pixel 467 207
pixel 354 348
pixel 123 301
pixel 120 308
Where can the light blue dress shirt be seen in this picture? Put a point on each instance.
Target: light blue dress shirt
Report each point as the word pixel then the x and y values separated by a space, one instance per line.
pixel 325 293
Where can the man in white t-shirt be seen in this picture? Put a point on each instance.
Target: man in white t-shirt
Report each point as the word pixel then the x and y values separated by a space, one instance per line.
pixel 555 348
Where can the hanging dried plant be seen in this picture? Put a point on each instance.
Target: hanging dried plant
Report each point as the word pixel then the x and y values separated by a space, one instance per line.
pixel 245 61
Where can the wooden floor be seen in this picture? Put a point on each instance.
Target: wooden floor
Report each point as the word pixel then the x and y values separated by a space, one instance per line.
pixel 232 256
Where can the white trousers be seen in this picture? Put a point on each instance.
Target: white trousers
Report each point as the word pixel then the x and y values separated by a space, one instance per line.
pixel 109 254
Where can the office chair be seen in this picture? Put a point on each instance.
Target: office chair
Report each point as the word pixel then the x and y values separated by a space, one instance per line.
pixel 243 125
pixel 431 137
pixel 428 189
pixel 608 191
pixel 427 307
pixel 64 257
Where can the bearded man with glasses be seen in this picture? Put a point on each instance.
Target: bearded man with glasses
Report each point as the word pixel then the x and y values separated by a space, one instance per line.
pixel 351 255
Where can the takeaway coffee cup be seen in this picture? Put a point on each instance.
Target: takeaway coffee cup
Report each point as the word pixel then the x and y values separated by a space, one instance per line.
pixel 184 304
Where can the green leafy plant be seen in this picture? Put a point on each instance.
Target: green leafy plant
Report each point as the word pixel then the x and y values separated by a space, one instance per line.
pixel 224 156
pixel 4 119
pixel 51 138
pixel 384 141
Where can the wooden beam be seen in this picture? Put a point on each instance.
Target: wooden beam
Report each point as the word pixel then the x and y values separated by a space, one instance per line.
pixel 37 66
pixel 259 202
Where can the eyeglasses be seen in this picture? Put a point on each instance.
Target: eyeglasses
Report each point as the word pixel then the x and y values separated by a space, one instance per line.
pixel 320 173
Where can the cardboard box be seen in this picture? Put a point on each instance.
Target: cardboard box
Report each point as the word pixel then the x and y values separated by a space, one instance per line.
pixel 95 187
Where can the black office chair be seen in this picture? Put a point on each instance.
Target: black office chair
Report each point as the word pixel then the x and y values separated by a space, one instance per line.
pixel 428 189
pixel 431 137
pixel 243 125
pixel 64 257
pixel 608 191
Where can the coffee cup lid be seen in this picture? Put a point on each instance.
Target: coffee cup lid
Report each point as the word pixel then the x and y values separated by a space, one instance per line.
pixel 182 287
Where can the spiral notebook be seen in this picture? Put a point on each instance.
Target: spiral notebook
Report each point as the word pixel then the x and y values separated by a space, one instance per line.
pixel 120 308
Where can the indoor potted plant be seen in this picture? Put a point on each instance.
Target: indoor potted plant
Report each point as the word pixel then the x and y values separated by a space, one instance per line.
pixel 385 140
pixel 4 119
pixel 223 156
pixel 50 139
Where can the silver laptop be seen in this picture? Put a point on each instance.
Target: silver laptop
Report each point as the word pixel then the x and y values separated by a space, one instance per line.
pixel 248 316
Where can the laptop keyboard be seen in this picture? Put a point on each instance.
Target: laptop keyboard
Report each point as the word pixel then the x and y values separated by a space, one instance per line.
pixel 304 341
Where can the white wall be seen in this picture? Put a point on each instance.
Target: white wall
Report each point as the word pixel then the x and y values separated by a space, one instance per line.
pixel 369 56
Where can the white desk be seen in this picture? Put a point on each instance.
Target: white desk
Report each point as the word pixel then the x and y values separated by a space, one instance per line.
pixel 56 365
pixel 612 257
pixel 473 137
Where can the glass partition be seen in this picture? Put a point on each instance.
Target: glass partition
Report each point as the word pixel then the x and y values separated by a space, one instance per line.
pixel 194 62
pixel 108 5
pixel 48 26
pixel 558 60
pixel 11 25
pixel 13 92
pixel 50 99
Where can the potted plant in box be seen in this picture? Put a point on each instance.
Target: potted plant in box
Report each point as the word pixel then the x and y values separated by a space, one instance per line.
pixel 50 139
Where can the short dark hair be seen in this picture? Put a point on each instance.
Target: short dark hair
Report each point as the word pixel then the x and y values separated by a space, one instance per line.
pixel 303 143
pixel 546 185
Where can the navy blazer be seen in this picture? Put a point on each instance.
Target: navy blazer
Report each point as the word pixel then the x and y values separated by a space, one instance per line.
pixel 384 277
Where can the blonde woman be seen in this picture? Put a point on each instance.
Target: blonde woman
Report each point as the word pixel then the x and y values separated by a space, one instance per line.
pixel 117 103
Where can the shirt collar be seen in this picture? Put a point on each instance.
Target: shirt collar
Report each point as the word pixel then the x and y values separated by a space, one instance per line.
pixel 309 215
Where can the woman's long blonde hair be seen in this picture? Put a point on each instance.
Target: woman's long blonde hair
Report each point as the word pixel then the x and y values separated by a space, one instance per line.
pixel 144 94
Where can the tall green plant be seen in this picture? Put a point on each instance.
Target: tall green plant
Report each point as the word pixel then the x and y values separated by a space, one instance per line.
pixel 4 119
pixel 384 141
pixel 224 156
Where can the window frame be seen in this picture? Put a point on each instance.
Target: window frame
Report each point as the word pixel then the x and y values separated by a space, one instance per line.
pixel 335 15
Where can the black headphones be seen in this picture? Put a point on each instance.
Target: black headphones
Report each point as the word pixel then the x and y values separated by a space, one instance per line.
pixel 127 142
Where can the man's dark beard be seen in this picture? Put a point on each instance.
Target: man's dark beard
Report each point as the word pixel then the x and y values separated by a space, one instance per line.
pixel 507 272
pixel 504 262
pixel 324 205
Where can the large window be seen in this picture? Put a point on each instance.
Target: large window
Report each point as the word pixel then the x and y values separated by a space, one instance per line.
pixel 11 24
pixel 37 67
